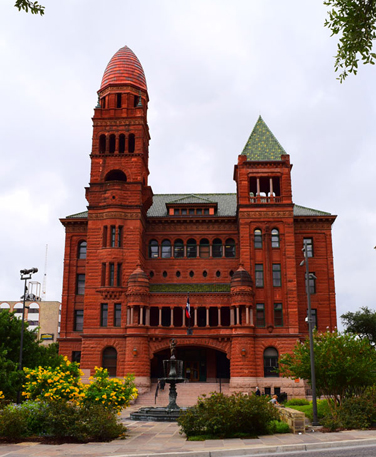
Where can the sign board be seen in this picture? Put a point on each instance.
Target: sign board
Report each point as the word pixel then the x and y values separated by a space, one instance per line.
pixel 47 336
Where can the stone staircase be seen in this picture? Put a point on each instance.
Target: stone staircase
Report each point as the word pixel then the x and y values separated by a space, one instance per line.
pixel 187 394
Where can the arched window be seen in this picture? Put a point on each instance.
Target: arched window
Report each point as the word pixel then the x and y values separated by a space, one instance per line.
pixel 121 143
pixel 257 239
pixel 166 249
pixel 191 248
pixel 33 316
pixel 179 248
pixel 204 248
pixel 217 248
pixel 82 247
pixel 131 143
pixel 153 249
pixel 270 362
pixel 109 360
pixel 5 306
pixel 230 248
pixel 115 175
pixel 112 143
pixel 102 144
pixel 275 238
pixel 18 310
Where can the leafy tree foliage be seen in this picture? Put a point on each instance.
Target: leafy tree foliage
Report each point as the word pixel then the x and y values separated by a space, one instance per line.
pixel 27 5
pixel 34 354
pixel 362 322
pixel 345 365
pixel 355 21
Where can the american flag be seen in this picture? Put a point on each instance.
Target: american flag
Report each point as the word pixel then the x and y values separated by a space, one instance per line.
pixel 188 309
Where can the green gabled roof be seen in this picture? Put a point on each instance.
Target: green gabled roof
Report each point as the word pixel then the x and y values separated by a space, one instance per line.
pixel 262 144
pixel 226 206
pixel 192 198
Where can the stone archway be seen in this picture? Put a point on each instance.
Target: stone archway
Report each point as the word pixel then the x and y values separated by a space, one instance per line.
pixel 205 359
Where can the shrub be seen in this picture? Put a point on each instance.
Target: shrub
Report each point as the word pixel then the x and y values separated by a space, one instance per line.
pixel 83 423
pixel 13 423
pixel 60 383
pixel 297 402
pixel 224 416
pixel 277 426
pixel 112 393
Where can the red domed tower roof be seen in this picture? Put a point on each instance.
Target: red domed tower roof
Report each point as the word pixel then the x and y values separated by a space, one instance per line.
pixel 124 68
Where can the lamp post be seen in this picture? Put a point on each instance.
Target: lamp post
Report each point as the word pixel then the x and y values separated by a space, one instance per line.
pixel 310 331
pixel 25 275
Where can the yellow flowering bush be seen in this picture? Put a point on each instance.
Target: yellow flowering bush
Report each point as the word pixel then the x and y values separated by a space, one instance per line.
pixel 112 393
pixel 60 383
pixel 2 396
pixel 64 384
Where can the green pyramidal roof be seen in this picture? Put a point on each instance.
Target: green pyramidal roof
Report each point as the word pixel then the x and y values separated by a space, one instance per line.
pixel 262 144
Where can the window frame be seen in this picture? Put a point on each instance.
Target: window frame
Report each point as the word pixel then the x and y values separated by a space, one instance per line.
pixel 257 238
pixel 104 315
pixel 78 321
pixel 166 249
pixel 277 275
pixel 82 250
pixel 230 248
pixel 191 248
pixel 153 249
pixel 80 284
pixel 259 275
pixel 275 239
pixel 310 252
pixel 217 248
pixel 269 366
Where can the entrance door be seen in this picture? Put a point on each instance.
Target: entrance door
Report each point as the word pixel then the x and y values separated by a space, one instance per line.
pixel 192 371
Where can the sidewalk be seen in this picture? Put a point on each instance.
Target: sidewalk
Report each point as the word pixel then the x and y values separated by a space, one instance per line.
pixel 162 439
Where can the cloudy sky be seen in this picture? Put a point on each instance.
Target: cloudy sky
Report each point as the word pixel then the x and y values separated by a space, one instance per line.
pixel 212 67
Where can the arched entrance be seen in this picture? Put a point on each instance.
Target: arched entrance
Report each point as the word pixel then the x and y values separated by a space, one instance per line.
pixel 200 364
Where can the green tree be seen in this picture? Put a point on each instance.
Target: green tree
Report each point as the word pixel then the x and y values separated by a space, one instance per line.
pixel 362 322
pixel 27 5
pixel 345 365
pixel 355 22
pixel 34 354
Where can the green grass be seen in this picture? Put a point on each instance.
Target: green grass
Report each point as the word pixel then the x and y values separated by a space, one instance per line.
pixel 322 409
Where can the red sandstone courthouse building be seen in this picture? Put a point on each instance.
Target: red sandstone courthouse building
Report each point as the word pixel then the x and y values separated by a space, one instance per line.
pixel 133 256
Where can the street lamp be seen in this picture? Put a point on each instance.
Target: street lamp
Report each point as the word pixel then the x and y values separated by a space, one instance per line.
pixel 25 275
pixel 310 331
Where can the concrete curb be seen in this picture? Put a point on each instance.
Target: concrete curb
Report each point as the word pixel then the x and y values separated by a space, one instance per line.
pixel 254 451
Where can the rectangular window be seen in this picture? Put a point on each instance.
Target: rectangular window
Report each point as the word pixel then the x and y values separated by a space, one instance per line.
pixel 278 315
pixel 78 320
pixel 117 314
pixel 120 237
pixel 260 315
pixel 176 212
pixel 314 317
pixel 112 274
pixel 118 100
pixel 104 236
pixel 308 242
pixel 103 275
pixel 184 212
pixel 80 284
pixel 311 282
pixel 119 275
pixel 191 211
pixel 76 356
pixel 206 210
pixel 113 236
pixel 199 211
pixel 104 314
pixel 259 275
pixel 277 275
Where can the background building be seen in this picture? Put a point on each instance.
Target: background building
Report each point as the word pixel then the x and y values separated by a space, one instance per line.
pixel 41 315
pixel 132 257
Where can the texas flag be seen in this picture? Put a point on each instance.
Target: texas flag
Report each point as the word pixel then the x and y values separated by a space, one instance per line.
pixel 188 309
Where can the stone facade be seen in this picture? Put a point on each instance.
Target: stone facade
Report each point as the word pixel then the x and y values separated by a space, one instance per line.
pixel 132 258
